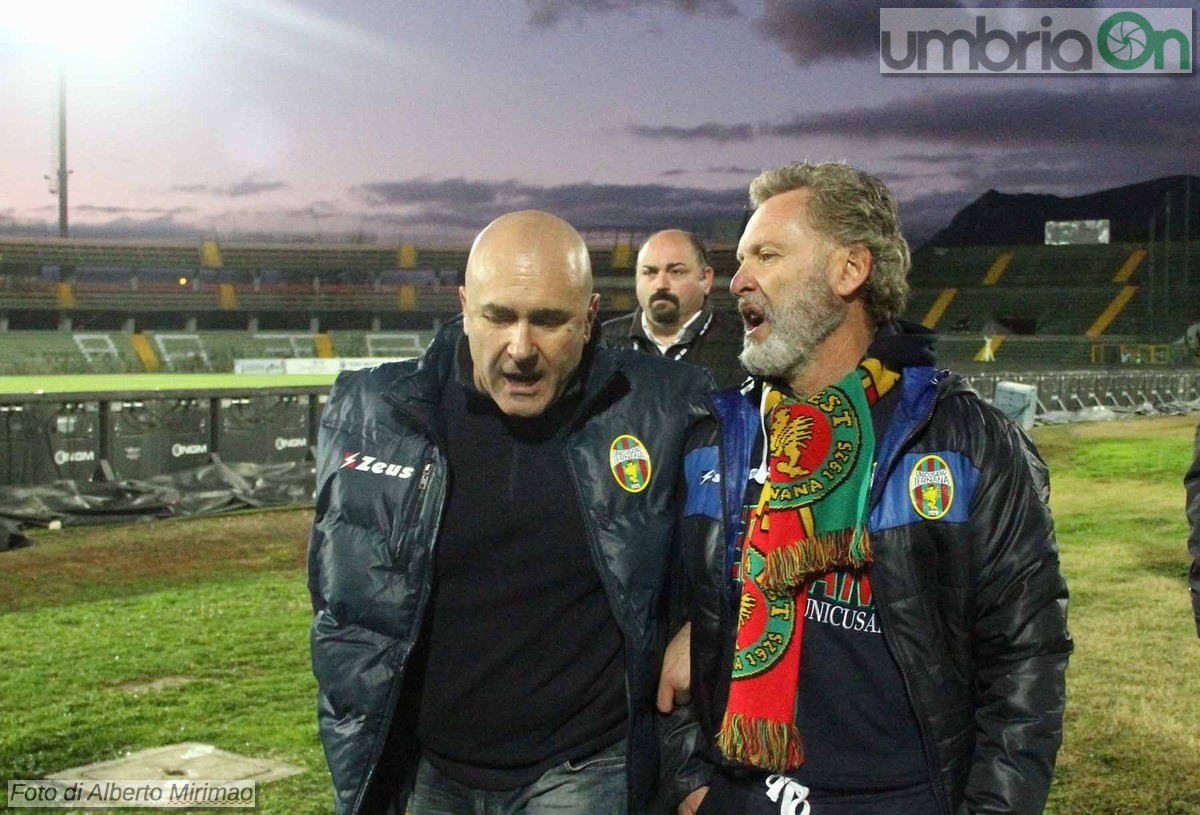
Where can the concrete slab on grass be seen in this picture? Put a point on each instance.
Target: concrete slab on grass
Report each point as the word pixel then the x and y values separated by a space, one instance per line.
pixel 188 760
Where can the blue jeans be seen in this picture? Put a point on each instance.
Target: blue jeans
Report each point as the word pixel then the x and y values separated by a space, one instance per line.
pixel 590 786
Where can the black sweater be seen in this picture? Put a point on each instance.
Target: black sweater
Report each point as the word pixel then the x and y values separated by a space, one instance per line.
pixel 525 663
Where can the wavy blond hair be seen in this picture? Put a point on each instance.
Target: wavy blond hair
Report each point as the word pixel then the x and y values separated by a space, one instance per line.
pixel 850 207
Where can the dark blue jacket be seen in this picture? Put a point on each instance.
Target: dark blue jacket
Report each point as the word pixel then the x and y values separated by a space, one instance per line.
pixel 972 602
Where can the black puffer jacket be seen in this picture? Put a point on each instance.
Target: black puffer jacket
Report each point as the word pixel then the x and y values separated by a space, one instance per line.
pixel 382 481
pixel 973 605
pixel 1192 483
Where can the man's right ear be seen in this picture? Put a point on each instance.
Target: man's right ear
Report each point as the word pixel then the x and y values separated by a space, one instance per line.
pixel 462 303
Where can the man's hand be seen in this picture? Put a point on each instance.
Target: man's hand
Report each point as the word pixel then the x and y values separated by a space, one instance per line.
pixel 690 805
pixel 675 681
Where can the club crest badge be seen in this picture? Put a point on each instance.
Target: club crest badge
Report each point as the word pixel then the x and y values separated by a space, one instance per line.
pixel 813 448
pixel 931 487
pixel 629 462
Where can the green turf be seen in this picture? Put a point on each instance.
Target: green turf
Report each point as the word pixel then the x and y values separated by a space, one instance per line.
pixel 100 383
pixel 217 608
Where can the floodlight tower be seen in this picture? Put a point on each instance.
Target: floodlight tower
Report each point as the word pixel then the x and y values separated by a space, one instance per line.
pixel 62 152
pixel 69 29
pixel 58 183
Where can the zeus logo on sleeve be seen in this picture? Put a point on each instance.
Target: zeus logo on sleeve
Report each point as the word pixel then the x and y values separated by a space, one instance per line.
pixel 370 464
pixel 704 483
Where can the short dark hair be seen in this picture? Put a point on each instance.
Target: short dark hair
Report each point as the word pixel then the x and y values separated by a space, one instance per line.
pixel 697 245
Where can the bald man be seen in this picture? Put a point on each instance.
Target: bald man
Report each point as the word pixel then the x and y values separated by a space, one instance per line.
pixel 493 550
pixel 675 317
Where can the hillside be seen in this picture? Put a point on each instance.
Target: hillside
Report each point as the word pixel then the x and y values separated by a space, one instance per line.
pixel 997 218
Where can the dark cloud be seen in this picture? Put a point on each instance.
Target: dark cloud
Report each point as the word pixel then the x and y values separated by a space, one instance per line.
pixel 1071 172
pixel 1143 115
pixel 549 13
pixel 424 190
pixel 945 157
pixel 445 210
pixel 317 209
pixel 250 185
pixel 1138 115
pixel 733 169
pixel 471 204
pixel 163 227
pixel 812 31
pixel 98 209
pixel 190 188
pixel 809 31
pixel 709 131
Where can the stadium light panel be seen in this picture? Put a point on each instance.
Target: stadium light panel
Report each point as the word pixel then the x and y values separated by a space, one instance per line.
pixel 85 27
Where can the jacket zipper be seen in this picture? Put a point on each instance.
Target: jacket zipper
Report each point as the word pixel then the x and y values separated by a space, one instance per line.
pixel 605 580
pixel 426 587
pixel 935 769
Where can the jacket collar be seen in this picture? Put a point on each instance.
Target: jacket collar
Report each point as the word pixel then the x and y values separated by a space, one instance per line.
pixel 694 329
pixel 418 392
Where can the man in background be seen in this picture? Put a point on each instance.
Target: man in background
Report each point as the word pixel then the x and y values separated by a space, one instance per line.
pixel 675 317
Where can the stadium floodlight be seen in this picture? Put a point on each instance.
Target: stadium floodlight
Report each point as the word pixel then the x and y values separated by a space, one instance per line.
pixel 83 30
pixel 86 29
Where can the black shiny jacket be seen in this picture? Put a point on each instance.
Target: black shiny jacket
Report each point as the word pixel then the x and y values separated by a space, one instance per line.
pixel 1191 483
pixel 973 605
pixel 713 341
pixel 382 480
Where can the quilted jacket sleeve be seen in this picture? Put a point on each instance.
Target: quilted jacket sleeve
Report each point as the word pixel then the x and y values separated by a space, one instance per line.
pixel 1192 483
pixel 1020 630
pixel 684 767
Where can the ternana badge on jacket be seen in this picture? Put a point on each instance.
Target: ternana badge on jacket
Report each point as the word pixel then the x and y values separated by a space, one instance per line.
pixel 931 487
pixel 629 462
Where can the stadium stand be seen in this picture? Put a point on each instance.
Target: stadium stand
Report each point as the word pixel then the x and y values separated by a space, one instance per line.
pixel 62 352
pixel 1106 304
pixel 1054 306
pixel 37 352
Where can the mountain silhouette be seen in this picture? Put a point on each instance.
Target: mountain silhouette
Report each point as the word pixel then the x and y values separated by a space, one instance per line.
pixel 997 218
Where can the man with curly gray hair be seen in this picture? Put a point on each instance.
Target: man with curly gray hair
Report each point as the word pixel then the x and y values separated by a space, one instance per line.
pixel 879 626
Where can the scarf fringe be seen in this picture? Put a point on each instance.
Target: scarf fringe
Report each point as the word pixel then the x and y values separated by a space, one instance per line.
pixel 789 567
pixel 760 742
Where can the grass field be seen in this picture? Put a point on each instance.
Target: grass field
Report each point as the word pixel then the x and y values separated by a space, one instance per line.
pixel 95 383
pixel 217 608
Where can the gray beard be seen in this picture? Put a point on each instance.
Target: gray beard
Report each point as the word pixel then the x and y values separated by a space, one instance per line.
pixel 798 328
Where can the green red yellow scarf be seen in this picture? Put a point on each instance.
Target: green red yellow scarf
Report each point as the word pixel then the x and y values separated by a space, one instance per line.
pixel 811 517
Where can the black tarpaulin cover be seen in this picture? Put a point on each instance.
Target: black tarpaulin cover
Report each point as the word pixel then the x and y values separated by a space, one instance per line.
pixel 217 486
